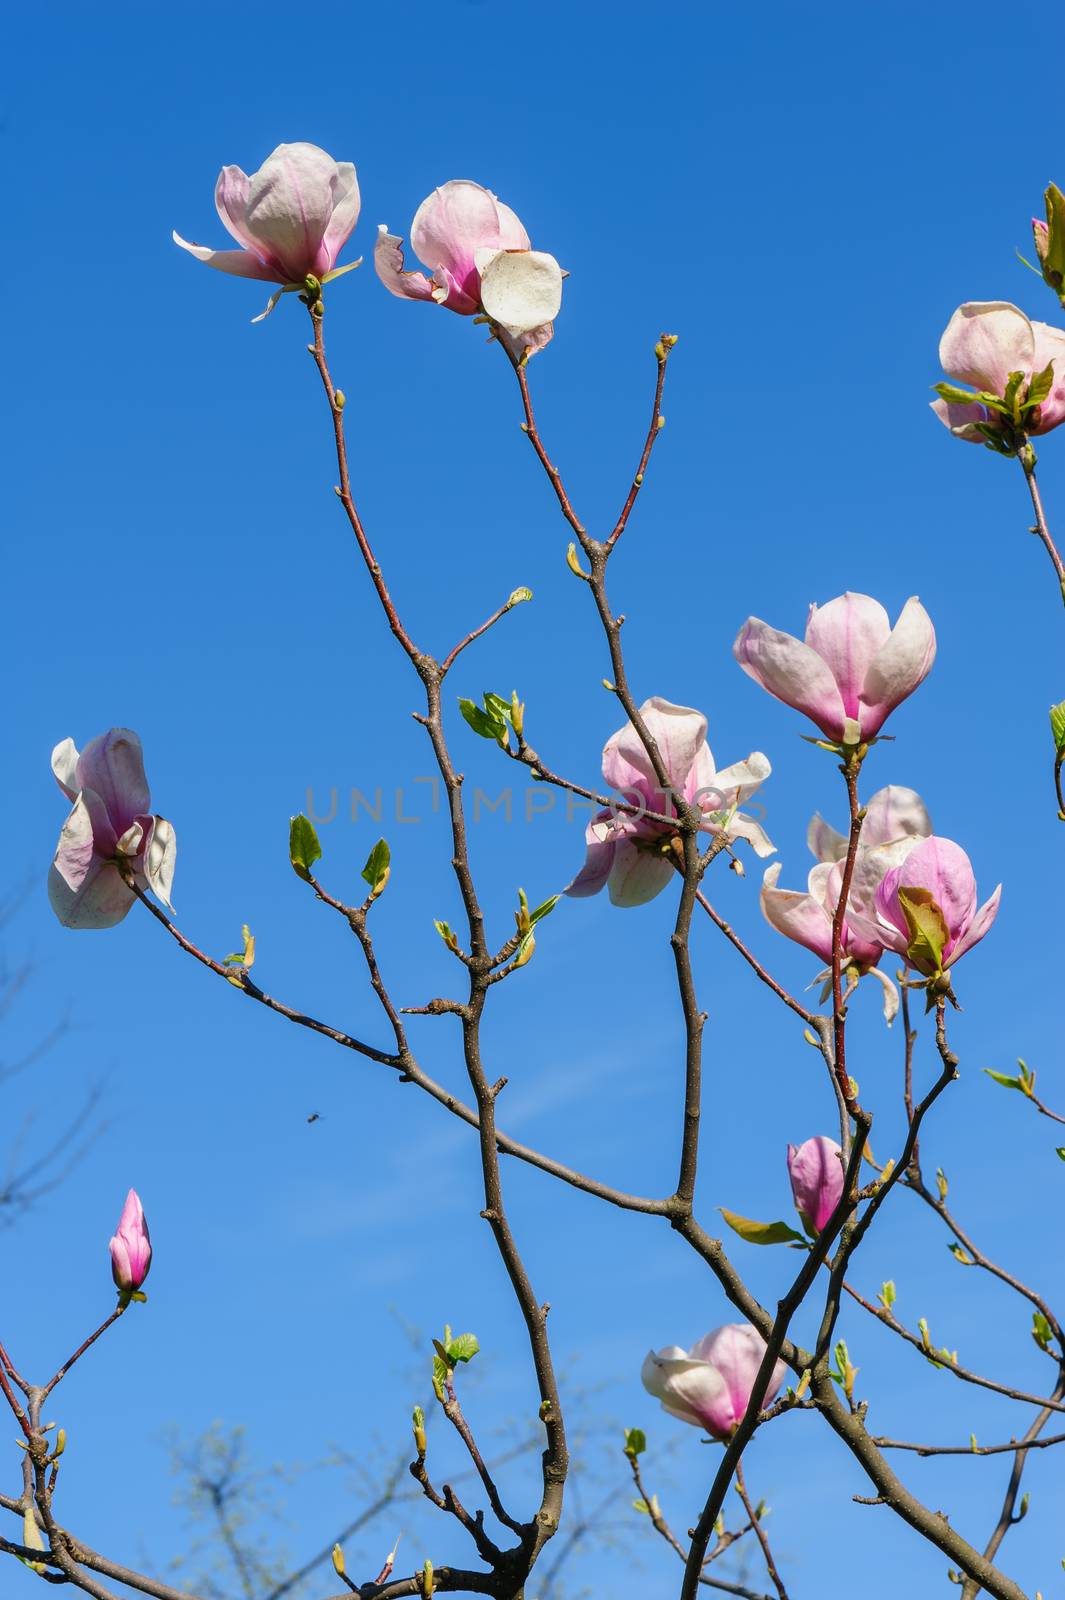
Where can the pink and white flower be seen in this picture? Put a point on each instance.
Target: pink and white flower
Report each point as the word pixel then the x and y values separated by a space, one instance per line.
pixel 711 1384
pixel 851 670
pixel 631 854
pixel 480 262
pixel 984 343
pixel 925 907
pixel 895 822
pixel 111 822
pixel 291 218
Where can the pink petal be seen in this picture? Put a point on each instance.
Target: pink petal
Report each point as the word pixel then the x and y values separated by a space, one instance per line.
pixel 600 842
pixel 453 223
pixel 792 672
pixel 678 731
pixel 689 1389
pixel 801 917
pixel 977 928
pixel 101 901
pixel 962 420
pixel 899 667
pixel 984 341
pixel 847 633
pixel 637 876
pixel 240 263
pixel 388 264
pixel 112 765
pixel 894 812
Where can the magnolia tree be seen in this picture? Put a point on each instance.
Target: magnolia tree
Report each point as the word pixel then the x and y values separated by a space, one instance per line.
pixel 887 899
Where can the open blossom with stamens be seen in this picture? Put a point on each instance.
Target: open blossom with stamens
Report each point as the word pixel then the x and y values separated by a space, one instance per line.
pixel 110 823
pixel 711 1384
pixel 985 342
pixel 925 907
pixel 852 669
pixel 631 854
pixel 131 1248
pixel 480 260
pixel 291 218
pixel 895 822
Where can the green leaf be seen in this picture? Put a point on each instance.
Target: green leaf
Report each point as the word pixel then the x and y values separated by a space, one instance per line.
pixel 1041 1330
pixel 1012 389
pixel 954 395
pixel 635 1441
pixel 544 910
pixel 496 706
pixel 378 866
pixel 1057 727
pixel 444 930
pixel 1060 1150
pixel 761 1232
pixel 463 1347
pixel 1040 385
pixel 303 847
pixel 888 1294
pixel 1005 1080
pixel 518 595
pixel 1054 260
pixel 482 723
pixel 928 930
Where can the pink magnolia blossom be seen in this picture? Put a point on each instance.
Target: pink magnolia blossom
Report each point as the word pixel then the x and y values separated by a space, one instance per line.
pixel 711 1384
pixel 110 822
pixel 925 907
pixel 853 669
pixel 291 218
pixel 984 342
pixel 480 260
pixel 131 1248
pixel 895 821
pixel 816 1173
pixel 631 854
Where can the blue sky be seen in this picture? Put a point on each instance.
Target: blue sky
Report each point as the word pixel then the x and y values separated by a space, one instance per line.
pixel 804 195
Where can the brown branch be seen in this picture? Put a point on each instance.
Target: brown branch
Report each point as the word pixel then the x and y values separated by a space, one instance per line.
pixel 80 1351
pixel 970 1449
pixel 1042 528
pixel 665 344
pixel 753 962
pixel 760 1534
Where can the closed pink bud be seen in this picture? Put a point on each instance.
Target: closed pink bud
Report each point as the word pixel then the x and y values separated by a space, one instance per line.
pixel 291 218
pixel 852 669
pixel 110 823
pixel 816 1173
pixel 627 851
pixel 480 261
pixel 711 1385
pixel 131 1248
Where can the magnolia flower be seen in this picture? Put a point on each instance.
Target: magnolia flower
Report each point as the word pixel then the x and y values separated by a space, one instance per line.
pixel 632 854
pixel 985 344
pixel 480 260
pixel 853 669
pixel 110 822
pixel 925 907
pixel 895 820
pixel 815 1169
pixel 711 1384
pixel 291 218
pixel 131 1248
